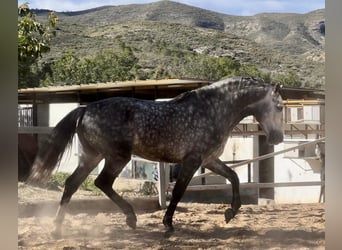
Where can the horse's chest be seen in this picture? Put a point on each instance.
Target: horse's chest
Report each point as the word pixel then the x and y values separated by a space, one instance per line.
pixel 213 153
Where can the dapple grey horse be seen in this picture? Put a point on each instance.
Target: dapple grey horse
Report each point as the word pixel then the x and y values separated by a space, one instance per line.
pixel 191 129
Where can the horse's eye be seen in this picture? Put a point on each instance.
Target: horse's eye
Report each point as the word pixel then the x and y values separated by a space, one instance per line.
pixel 279 107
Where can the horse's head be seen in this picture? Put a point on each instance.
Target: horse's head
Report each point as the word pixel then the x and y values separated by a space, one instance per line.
pixel 269 114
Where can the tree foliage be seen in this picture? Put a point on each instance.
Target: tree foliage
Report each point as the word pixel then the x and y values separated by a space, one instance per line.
pixel 203 67
pixel 213 68
pixel 122 65
pixel 33 40
pixel 290 79
pixel 104 66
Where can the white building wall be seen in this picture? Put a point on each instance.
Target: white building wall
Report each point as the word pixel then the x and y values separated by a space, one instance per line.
pixel 238 148
pixel 295 170
pixel 69 160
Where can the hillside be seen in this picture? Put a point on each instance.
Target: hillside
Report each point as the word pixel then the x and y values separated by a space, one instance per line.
pixel 157 31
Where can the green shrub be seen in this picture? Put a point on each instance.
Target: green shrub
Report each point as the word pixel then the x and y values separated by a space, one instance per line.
pixel 58 179
pixel 148 188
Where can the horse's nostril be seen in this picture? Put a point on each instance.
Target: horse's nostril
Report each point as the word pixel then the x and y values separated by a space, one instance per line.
pixel 275 137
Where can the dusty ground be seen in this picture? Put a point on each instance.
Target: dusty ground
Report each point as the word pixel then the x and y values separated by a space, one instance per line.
pixel 198 226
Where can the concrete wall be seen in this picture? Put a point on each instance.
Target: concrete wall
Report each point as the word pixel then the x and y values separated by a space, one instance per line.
pixel 296 170
pixel 238 148
pixel 286 168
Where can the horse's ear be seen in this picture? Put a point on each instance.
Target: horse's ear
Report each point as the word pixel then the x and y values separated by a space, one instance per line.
pixel 278 87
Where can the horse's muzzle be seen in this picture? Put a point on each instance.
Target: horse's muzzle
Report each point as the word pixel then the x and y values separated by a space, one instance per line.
pixel 275 137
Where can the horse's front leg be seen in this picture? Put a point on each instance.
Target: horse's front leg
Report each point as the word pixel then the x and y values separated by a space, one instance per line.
pixel 187 170
pixel 220 168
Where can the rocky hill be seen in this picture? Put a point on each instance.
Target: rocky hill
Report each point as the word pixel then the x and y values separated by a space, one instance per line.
pixel 274 42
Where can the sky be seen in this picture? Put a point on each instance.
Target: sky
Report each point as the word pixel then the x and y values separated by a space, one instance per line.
pixel 232 7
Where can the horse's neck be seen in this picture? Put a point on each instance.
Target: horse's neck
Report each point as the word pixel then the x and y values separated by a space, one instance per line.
pixel 232 104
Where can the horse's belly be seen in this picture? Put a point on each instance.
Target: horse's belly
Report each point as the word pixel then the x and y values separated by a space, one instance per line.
pixel 160 157
pixel 160 152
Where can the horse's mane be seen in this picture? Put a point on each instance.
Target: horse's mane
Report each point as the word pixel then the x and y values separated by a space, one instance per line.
pixel 183 96
pixel 234 84
pixel 242 83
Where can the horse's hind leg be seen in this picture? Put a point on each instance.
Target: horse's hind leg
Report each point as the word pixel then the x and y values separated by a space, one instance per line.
pixel 87 163
pixel 220 168
pixel 105 180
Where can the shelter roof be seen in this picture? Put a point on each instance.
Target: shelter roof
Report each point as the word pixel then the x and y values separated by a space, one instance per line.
pixel 83 93
pixel 145 89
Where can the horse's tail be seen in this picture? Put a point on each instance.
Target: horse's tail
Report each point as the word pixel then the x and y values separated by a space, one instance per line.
pixel 52 149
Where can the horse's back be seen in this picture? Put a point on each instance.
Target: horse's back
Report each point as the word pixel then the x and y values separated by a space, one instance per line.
pixel 136 123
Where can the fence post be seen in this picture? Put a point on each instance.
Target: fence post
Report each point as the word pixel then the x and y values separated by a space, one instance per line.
pixel 162 185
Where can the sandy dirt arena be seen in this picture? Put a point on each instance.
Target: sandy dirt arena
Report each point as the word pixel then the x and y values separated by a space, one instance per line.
pixel 197 226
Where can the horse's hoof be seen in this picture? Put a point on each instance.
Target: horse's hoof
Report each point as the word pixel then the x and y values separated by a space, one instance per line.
pixel 131 222
pixel 229 214
pixel 169 232
pixel 56 234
